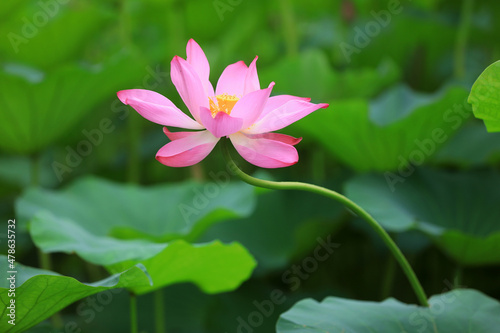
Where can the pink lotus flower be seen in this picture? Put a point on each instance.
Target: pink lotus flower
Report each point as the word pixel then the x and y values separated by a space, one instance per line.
pixel 238 109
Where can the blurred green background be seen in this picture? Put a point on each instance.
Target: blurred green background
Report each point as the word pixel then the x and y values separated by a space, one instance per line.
pixel 398 138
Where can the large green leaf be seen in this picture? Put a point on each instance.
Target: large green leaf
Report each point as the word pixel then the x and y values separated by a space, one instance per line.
pixel 46 34
pixel 471 146
pixel 118 226
pixel 39 107
pixel 311 75
pixel 456 210
pixel 214 267
pixel 39 293
pixel 485 97
pixel 460 310
pixel 388 134
pixel 160 212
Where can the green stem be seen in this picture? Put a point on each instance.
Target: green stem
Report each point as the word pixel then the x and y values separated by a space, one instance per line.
pixel 197 172
pixel 93 271
pixel 44 260
pixel 390 273
pixel 459 274
pixel 462 37
pixel 160 325
pixel 398 255
pixel 133 313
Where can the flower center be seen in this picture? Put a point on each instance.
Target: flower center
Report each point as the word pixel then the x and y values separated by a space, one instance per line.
pixel 222 103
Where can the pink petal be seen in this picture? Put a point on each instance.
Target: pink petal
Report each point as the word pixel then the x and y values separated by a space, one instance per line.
pixel 250 106
pixel 188 150
pixel 232 80
pixel 156 108
pixel 263 152
pixel 283 116
pixel 177 135
pixel 222 125
pixel 197 59
pixel 251 78
pixel 289 140
pixel 189 86
pixel 277 101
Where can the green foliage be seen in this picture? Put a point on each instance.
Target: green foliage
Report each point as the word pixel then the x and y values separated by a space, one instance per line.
pixel 485 97
pixel 62 222
pixel 389 132
pixel 397 106
pixel 472 146
pixel 448 312
pixel 275 234
pixel 167 263
pixel 39 107
pixel 424 55
pixel 213 267
pixel 46 34
pixel 455 210
pixel 309 74
pixel 39 293
pixel 160 213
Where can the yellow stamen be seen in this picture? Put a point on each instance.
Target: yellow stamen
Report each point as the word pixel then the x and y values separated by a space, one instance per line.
pixel 222 103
